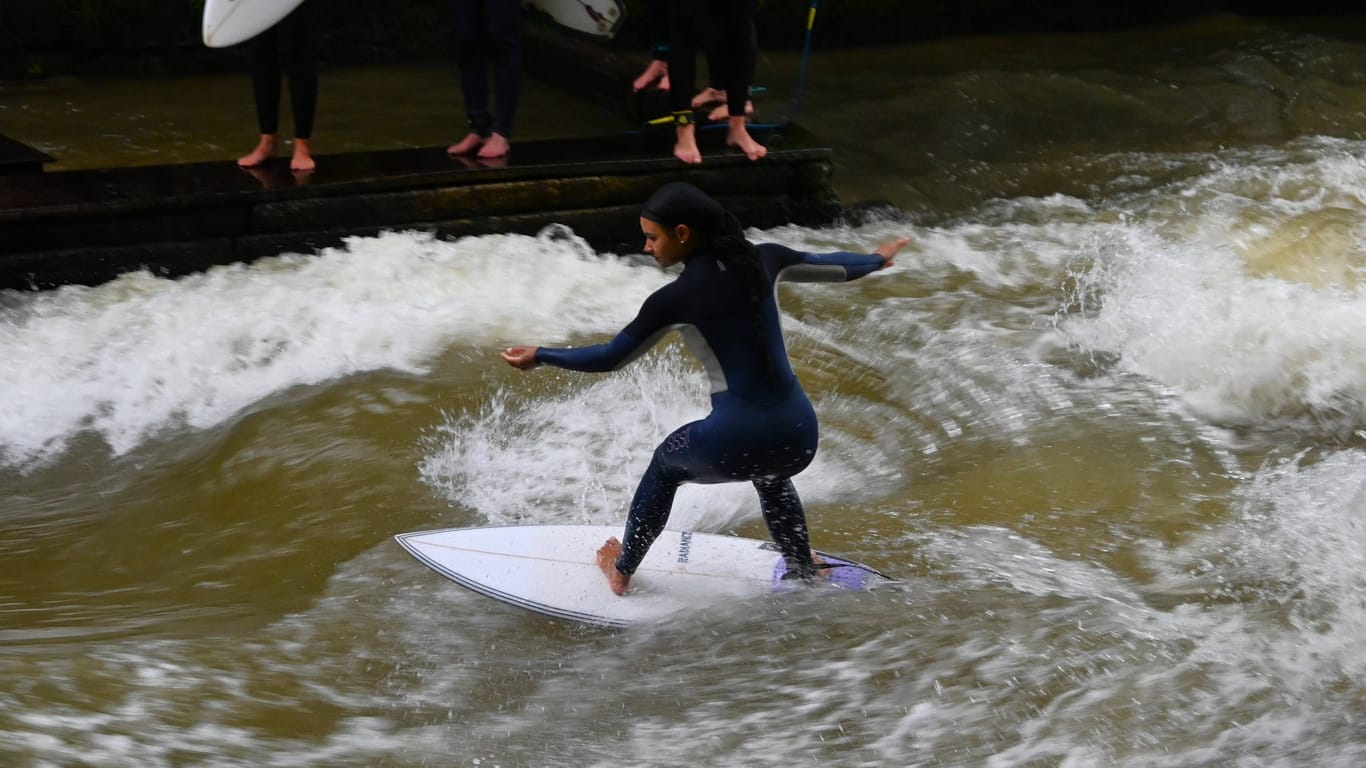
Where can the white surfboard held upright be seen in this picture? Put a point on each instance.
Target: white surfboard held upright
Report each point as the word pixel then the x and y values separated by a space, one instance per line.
pixel 229 22
pixel 552 569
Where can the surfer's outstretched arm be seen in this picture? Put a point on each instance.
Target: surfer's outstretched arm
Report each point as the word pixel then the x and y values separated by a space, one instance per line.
pixel 598 358
pixel 841 266
pixel 654 320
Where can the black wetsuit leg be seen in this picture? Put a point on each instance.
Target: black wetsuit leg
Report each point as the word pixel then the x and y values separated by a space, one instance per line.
pixel 732 50
pixel 471 57
pixel 489 31
pixel 654 497
pixel 505 32
pixel 265 80
pixel 735 48
pixel 786 521
pixel 684 16
pixel 295 34
pixel 737 441
pixel 301 65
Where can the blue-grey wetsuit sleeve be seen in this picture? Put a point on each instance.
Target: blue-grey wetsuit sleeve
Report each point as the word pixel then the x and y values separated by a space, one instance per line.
pixel 651 323
pixel 800 267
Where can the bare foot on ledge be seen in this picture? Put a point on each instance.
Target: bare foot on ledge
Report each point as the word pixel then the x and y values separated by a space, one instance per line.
pixel 471 142
pixel 496 145
pixel 657 71
pixel 739 137
pixel 265 149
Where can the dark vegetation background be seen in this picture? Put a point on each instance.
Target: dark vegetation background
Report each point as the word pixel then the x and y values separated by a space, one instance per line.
pixel 42 38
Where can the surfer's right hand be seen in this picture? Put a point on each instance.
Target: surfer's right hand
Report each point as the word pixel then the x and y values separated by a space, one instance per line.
pixel 523 358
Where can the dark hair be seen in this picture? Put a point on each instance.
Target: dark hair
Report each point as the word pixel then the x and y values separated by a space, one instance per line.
pixel 681 203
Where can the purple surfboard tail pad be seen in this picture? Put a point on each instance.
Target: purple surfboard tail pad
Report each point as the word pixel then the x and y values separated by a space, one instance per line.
pixel 835 572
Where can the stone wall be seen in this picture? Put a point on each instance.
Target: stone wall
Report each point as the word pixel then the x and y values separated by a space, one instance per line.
pixel 89 226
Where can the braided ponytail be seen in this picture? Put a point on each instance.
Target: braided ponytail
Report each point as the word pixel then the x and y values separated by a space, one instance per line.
pixel 729 243
pixel 740 255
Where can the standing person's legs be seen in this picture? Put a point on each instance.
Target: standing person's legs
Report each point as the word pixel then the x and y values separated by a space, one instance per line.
pixel 717 90
pixel 504 45
pixel 265 89
pixel 683 17
pixel 302 66
pixel 734 20
pixel 471 56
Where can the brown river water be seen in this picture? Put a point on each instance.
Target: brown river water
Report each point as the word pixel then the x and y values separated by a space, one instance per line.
pixel 1106 420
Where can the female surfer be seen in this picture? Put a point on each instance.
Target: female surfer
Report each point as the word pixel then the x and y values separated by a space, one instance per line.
pixel 762 428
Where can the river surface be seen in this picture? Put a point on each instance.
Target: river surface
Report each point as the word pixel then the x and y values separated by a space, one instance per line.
pixel 1105 419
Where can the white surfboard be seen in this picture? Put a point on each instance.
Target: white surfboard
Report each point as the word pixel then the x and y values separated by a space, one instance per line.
pixel 229 22
pixel 552 569
pixel 598 18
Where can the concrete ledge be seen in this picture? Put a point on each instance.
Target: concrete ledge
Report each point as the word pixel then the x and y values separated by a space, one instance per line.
pixel 90 226
pixel 21 158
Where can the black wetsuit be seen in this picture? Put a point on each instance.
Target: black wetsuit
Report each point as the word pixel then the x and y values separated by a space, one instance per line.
pixel 732 47
pixel 293 34
pixel 489 31
pixel 762 427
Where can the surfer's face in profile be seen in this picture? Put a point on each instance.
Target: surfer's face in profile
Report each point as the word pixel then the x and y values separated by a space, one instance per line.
pixel 669 245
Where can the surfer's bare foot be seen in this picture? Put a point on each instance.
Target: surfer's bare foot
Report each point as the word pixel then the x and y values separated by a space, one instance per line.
pixel 739 138
pixel 466 145
pixel 722 112
pixel 708 96
pixel 658 70
pixel 302 160
pixel 685 145
pixel 808 574
pixel 607 561
pixel 817 560
pixel 265 149
pixel 496 145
